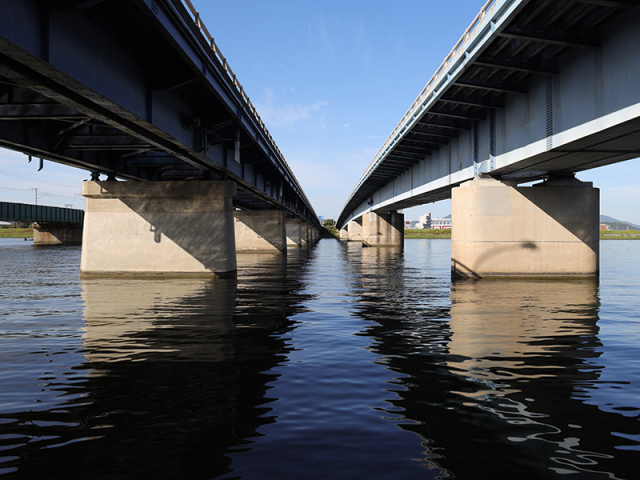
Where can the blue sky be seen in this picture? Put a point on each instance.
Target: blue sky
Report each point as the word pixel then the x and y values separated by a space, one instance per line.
pixel 331 79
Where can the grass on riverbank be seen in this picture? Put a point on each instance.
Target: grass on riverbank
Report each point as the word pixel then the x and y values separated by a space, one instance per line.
pixel 432 233
pixel 329 231
pixel 16 232
pixel 619 234
pixel 604 234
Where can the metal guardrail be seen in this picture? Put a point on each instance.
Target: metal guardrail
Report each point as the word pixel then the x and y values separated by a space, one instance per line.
pixel 22 212
pixel 232 76
pixel 458 49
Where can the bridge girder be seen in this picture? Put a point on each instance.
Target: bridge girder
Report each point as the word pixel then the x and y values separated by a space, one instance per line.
pixel 133 90
pixel 493 63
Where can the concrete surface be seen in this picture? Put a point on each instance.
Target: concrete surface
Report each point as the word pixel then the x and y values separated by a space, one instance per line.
pixel 159 228
pixel 383 229
pixel 551 229
pixel 51 233
pixel 355 230
pixel 294 232
pixel 260 231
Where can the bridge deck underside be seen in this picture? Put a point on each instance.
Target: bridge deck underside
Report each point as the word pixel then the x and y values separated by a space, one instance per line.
pixel 134 92
pixel 529 48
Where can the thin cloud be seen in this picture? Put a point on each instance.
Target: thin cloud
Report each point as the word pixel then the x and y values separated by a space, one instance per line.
pixel 273 113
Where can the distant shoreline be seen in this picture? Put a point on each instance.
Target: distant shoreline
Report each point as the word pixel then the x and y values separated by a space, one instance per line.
pixel 446 234
pixel 408 234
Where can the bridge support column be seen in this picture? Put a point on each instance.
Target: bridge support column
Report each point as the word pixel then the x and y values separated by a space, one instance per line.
pixel 158 228
pixel 294 232
pixel 383 229
pixel 260 231
pixel 355 230
pixel 344 234
pixel 54 233
pixel 549 229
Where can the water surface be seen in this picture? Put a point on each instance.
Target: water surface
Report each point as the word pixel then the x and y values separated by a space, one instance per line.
pixel 333 362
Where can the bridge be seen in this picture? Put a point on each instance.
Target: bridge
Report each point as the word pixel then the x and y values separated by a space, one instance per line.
pixel 534 90
pixel 51 225
pixel 137 92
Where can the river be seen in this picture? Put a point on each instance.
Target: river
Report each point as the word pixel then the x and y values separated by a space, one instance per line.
pixel 337 362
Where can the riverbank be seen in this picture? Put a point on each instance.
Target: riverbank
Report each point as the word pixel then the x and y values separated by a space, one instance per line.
pixel 619 234
pixel 432 233
pixel 16 232
pixel 331 232
pixel 446 234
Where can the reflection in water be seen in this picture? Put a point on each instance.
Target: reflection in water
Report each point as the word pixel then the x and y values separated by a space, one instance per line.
pixel 174 374
pixel 501 389
pixel 525 350
pixel 136 320
pixel 333 362
pixel 505 332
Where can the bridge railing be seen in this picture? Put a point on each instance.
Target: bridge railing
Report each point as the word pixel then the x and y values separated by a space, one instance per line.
pixel 234 79
pixel 457 50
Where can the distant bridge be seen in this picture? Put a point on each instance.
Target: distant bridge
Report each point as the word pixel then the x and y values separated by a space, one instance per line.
pixel 51 225
pixel 137 90
pixel 534 90
pixel 22 212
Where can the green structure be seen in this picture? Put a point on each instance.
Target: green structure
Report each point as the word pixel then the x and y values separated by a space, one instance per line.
pixel 51 225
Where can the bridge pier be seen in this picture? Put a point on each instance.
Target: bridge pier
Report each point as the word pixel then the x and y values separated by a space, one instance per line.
pixel 549 229
pixel 383 229
pixel 304 233
pixel 56 233
pixel 260 231
pixel 313 234
pixel 344 234
pixel 294 232
pixel 158 228
pixel 355 230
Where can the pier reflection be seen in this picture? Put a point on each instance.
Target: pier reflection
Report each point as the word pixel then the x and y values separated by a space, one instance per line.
pixel 176 374
pixel 508 369
pixel 507 333
pixel 158 320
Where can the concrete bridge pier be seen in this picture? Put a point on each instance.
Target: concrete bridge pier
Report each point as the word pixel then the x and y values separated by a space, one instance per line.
pixel 294 232
pixel 56 233
pixel 549 229
pixel 383 229
pixel 260 231
pixel 354 228
pixel 304 233
pixel 344 234
pixel 158 228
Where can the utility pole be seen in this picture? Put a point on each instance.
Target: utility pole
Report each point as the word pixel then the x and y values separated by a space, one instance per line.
pixel 36 195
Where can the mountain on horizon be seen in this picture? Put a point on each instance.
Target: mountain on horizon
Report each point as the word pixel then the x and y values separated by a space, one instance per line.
pixel 611 221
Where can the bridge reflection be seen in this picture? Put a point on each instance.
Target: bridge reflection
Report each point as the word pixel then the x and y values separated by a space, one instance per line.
pixel 507 368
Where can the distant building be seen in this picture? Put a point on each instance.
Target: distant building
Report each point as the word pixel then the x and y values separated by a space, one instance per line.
pixel 427 223
pixel 441 223
pixel 604 226
pixel 424 222
pixel 410 223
